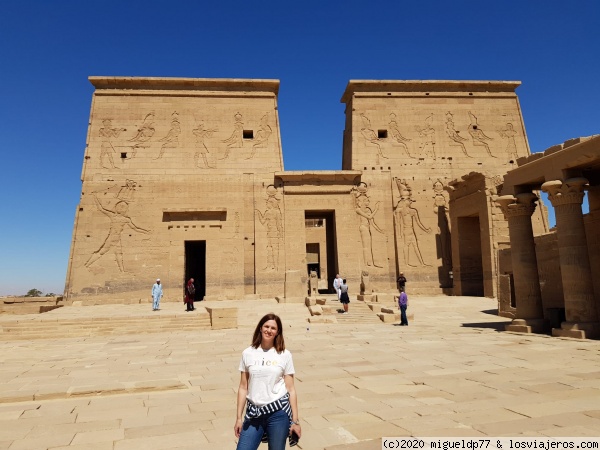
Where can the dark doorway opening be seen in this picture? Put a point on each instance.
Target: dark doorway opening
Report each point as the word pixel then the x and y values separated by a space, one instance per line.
pixel 321 246
pixel 195 266
pixel 470 257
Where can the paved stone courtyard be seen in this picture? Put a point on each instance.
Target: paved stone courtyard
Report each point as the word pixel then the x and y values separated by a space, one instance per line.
pixel 451 372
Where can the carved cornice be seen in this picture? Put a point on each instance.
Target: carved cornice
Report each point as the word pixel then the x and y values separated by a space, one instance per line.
pixel 570 191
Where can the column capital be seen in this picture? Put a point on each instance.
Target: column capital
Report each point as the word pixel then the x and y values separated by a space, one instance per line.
pixel 568 192
pixel 517 205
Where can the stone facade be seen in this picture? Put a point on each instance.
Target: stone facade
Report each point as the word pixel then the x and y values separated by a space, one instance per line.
pixel 184 178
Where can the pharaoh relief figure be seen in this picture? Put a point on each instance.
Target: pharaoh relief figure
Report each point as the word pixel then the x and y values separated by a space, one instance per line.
pixel 262 135
pixel 427 138
pixel 509 133
pixel 366 223
pixel 236 139
pixel 144 134
pixel 119 219
pixel 371 136
pixel 397 136
pixel 171 140
pixel 107 133
pixel 478 136
pixel 406 218
pixel 201 133
pixel 440 209
pixel 272 220
pixel 453 134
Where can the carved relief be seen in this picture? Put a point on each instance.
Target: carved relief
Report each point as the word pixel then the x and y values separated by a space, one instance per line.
pixel 313 284
pixel 272 220
pixel 236 139
pixel 397 136
pixel 107 133
pixel 262 135
pixel 365 285
pixel 144 134
pixel 200 134
pixel 479 137
pixel 236 225
pixel 171 140
pixel 440 208
pixel 427 138
pixel 453 134
pixel 406 217
pixel 119 219
pixel 371 136
pixel 367 222
pixel 509 133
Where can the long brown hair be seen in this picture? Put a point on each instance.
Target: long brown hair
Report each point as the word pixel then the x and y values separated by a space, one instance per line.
pixel 279 342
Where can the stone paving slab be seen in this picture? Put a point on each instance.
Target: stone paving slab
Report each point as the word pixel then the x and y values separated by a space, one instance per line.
pixel 452 373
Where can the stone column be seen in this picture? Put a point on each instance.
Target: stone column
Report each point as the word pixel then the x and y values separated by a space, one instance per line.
pixel 529 314
pixel 578 288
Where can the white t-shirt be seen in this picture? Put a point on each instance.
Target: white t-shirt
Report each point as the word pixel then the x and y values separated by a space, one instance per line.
pixel 267 369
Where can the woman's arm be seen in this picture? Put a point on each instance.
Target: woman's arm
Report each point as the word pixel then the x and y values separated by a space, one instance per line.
pixel 289 384
pixel 241 402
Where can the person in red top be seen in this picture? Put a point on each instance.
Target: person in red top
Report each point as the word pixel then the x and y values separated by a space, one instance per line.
pixel 190 293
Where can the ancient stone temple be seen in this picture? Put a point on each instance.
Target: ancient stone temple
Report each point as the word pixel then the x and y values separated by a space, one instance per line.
pixel 184 178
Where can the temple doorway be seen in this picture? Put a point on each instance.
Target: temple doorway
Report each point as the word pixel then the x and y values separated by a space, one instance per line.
pixel 195 266
pixel 470 257
pixel 321 248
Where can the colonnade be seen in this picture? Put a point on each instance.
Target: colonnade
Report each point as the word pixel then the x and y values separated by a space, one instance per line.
pixel 581 311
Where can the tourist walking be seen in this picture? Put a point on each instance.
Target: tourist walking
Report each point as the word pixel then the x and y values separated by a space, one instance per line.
pixel 403 305
pixel 344 296
pixel 267 390
pixel 190 293
pixel 402 282
pixel 157 293
pixel 337 283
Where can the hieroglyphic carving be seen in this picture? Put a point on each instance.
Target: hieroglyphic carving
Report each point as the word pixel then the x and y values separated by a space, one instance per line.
pixel 126 192
pixel 371 136
pixel 453 134
pixel 427 138
pixel 262 135
pixel 397 136
pixel 367 222
pixel 236 139
pixel 119 219
pixel 479 137
pixel 106 147
pixel 440 208
pixel 313 284
pixel 202 133
pixel 406 216
pixel 509 133
pixel 236 225
pixel 144 134
pixel 171 140
pixel 272 219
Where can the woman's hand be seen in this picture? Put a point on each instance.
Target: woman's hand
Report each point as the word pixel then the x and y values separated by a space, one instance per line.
pixel 237 428
pixel 296 429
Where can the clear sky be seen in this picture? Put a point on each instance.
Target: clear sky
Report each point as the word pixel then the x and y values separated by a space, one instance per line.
pixel 48 48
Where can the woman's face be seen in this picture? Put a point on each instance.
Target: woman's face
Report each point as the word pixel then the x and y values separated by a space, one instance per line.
pixel 269 330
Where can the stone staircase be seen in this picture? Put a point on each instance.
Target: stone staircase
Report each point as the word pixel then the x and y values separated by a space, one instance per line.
pixel 358 312
pixel 41 327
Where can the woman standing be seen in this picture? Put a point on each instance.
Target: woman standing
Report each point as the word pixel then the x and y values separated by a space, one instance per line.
pixel 344 298
pixel 190 293
pixel 267 390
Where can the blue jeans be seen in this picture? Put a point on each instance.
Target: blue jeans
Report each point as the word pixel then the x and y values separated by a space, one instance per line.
pixel 276 425
pixel 403 319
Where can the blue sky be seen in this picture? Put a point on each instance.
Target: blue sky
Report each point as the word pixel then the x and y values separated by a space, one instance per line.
pixel 49 48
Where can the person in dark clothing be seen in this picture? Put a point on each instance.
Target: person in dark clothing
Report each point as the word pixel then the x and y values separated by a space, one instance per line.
pixel 402 282
pixel 190 293
pixel 403 305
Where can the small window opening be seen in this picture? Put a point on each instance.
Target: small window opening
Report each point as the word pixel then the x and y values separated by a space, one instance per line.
pixel 474 127
pixel 248 134
pixel 426 93
pixel 123 155
pixel 470 93
pixel 80 209
pixel 382 134
pixel 511 161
